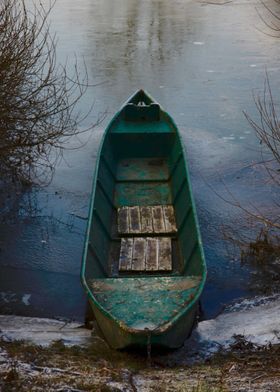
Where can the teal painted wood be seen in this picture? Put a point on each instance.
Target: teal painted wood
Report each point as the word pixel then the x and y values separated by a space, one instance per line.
pixel 120 337
pixel 142 161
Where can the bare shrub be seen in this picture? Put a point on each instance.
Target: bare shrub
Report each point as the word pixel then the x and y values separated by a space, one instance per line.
pixel 258 239
pixel 38 99
pixel 267 129
pixel 269 13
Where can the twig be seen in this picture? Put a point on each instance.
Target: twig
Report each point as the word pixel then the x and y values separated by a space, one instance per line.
pixel 217 2
pixel 55 370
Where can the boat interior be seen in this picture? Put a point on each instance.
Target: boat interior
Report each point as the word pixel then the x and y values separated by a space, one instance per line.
pixel 143 245
pixel 142 220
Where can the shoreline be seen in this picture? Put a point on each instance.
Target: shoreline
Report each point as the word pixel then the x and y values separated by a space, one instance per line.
pixel 38 354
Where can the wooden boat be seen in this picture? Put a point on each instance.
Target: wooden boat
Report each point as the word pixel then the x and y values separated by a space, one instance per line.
pixel 143 265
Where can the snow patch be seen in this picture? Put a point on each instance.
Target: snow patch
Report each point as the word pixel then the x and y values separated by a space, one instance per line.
pixel 257 319
pixel 228 138
pixel 8 297
pixel 43 331
pixel 25 299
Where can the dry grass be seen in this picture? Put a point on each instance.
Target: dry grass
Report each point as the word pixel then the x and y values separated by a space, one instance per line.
pixel 57 368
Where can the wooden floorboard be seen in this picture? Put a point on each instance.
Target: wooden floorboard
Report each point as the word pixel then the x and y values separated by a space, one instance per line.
pixel 134 220
pixel 146 254
pixel 169 219
pixel 146 220
pixel 126 254
pixel 158 219
pixel 152 254
pixel 138 254
pixel 164 254
pixel 123 223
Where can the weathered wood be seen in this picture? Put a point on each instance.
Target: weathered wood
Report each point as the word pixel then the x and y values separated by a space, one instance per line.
pixel 126 254
pixel 146 219
pixel 134 220
pixel 169 219
pixel 123 222
pixel 139 254
pixel 152 254
pixel 164 254
pixel 158 219
pixel 146 254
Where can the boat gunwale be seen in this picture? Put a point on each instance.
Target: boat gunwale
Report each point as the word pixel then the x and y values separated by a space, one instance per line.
pixel 168 325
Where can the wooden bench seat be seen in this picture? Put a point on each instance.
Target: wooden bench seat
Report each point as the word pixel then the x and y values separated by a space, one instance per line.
pixel 159 219
pixel 145 254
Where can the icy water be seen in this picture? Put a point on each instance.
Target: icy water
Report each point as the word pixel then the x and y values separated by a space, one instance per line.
pixel 202 62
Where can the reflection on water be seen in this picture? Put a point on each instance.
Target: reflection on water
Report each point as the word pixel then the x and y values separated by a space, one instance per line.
pixel 138 37
pixel 201 62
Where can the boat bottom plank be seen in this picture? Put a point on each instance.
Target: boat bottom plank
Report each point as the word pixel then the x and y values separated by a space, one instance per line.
pixel 145 220
pixel 146 254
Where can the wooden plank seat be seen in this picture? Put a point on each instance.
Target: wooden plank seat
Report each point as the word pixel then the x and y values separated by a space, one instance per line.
pixel 145 254
pixel 159 219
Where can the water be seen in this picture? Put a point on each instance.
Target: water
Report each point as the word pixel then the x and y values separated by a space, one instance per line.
pixel 201 62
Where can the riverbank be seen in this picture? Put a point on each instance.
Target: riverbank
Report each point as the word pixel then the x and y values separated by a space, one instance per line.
pixel 27 367
pixel 237 351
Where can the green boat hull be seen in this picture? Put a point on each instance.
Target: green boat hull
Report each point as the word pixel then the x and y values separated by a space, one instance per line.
pixel 142 162
pixel 119 337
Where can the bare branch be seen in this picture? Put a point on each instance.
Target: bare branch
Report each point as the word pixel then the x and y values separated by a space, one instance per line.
pixel 270 18
pixel 38 99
